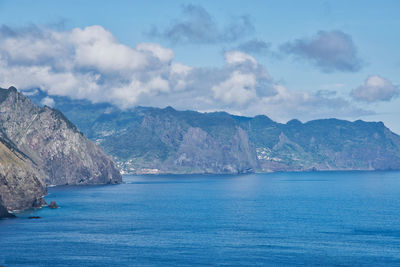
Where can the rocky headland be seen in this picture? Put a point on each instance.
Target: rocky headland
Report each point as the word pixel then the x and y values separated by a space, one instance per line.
pixel 39 146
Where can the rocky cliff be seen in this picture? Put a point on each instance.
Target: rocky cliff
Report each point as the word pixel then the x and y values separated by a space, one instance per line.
pixel 53 143
pixel 38 145
pixel 4 212
pixel 21 186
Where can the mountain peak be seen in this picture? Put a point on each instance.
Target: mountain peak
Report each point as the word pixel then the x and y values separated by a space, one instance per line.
pixel 294 122
pixel 169 109
pixel 13 89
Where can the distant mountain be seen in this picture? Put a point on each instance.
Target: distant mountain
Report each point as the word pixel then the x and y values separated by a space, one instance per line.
pixel 40 146
pixel 153 140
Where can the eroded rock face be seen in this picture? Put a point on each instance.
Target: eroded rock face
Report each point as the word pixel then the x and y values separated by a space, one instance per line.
pixel 53 143
pixel 21 186
pixel 199 152
pixel 39 146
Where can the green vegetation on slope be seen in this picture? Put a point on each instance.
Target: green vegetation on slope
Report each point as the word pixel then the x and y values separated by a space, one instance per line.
pixel 156 140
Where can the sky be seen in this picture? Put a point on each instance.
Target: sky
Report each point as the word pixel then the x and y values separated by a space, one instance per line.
pixel 284 59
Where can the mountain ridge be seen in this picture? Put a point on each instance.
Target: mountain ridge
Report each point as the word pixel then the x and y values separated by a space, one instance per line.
pixel 156 140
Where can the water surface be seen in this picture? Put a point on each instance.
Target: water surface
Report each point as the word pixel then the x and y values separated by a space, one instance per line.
pixel 327 218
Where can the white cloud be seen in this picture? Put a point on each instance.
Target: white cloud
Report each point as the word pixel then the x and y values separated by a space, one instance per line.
pixel 95 47
pixel 239 88
pixel 48 101
pixel 287 104
pixel 163 54
pixel 237 57
pixel 375 88
pixel 90 63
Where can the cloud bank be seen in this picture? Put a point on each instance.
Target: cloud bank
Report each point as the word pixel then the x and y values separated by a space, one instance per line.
pixel 90 63
pixel 374 89
pixel 328 50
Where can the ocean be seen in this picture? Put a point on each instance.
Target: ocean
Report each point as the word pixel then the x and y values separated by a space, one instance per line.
pixel 273 219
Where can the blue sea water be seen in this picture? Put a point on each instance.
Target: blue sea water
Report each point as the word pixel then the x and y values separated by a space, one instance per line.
pixel 277 219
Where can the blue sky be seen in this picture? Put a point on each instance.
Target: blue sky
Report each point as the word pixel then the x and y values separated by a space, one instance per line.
pixel 294 73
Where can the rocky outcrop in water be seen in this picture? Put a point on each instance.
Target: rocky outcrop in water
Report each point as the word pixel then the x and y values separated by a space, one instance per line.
pixel 53 205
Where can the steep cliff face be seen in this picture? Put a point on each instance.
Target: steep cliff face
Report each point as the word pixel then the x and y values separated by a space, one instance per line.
pixel 199 152
pixel 162 141
pixel 4 212
pixel 53 143
pixel 20 184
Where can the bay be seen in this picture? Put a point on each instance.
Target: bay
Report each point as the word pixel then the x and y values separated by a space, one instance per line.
pixel 275 219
